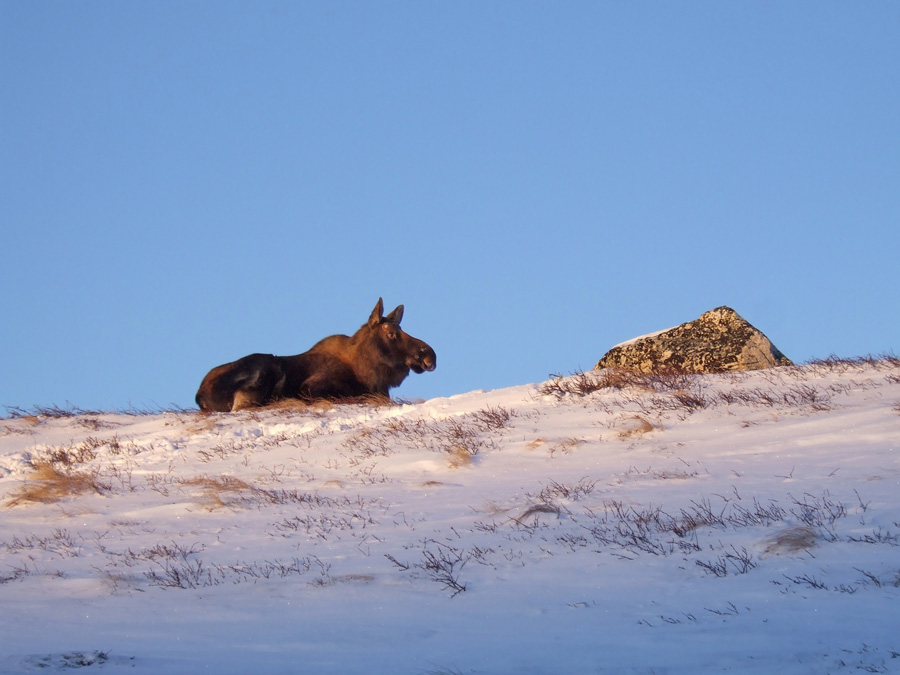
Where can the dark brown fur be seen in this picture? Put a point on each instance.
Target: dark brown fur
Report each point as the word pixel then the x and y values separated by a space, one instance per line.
pixel 370 362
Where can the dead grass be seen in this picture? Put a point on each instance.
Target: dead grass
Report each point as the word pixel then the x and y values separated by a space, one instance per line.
pixel 566 445
pixel 453 436
pixel 215 492
pixel 203 423
pixel 22 425
pixel 296 405
pixel 459 457
pixel 93 423
pixel 635 426
pixel 48 485
pixel 791 540
pixel 561 445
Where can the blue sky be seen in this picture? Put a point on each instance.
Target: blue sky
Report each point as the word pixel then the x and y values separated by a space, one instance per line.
pixel 184 183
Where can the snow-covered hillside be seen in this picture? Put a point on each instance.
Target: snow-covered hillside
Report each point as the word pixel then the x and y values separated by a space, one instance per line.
pixel 597 523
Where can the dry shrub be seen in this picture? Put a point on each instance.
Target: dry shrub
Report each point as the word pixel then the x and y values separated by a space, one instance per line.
pixel 535 510
pixel 493 508
pixel 93 423
pixel 662 380
pixel 844 363
pixel 614 378
pixel 48 485
pixel 568 491
pixel 354 579
pixel 675 474
pixel 69 456
pixel 580 383
pixel 489 419
pixel 48 412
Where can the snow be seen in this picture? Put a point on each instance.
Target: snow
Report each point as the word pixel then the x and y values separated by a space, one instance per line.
pixel 747 523
pixel 631 341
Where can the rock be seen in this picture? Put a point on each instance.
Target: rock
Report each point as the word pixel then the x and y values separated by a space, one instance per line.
pixel 719 341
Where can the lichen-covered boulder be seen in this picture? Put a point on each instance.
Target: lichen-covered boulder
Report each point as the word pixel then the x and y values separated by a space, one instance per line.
pixel 720 340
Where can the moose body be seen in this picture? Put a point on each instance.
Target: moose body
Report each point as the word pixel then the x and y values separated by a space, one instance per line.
pixel 370 362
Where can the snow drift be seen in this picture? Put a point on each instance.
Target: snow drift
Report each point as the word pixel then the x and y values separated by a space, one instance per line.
pixel 600 522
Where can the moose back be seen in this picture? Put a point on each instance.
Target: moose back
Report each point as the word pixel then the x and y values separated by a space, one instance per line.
pixel 370 362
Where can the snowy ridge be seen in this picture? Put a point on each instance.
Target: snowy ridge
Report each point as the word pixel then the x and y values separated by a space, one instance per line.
pixel 596 523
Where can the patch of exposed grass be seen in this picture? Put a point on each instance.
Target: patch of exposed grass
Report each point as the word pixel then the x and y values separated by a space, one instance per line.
pixel 565 445
pixel 293 406
pixel 459 457
pixel 635 426
pixel 48 484
pixel 791 540
pixel 217 492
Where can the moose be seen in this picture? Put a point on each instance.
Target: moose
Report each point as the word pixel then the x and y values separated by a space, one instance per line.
pixel 368 363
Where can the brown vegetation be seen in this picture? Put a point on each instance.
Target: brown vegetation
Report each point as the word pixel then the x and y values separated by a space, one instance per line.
pixel 49 484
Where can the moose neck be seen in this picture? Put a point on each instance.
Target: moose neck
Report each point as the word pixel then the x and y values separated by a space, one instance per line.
pixel 373 368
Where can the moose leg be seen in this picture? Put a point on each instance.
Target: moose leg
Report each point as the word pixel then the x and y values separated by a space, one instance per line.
pixel 317 387
pixel 331 379
pixel 244 398
pixel 251 381
pixel 265 389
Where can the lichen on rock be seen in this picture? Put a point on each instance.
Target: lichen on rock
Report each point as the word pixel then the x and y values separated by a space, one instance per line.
pixel 721 340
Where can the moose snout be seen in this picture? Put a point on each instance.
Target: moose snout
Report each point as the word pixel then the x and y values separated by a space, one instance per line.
pixel 425 360
pixel 429 359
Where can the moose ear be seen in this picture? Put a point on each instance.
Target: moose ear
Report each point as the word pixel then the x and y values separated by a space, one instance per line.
pixel 395 316
pixel 377 313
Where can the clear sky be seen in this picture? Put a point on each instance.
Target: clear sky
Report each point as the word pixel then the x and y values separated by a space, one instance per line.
pixel 183 183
